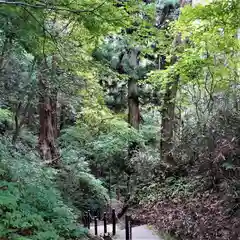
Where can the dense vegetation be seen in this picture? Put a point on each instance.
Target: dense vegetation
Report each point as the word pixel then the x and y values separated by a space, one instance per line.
pixel 127 103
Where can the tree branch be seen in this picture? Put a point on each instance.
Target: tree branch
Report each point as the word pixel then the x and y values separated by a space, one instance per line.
pixel 50 7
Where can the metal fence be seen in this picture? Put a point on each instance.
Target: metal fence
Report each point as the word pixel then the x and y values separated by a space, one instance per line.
pixel 88 219
pixel 128 227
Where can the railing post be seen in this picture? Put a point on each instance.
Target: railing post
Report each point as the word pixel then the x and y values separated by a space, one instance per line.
pixel 113 222
pixel 130 228
pixel 99 214
pixel 127 227
pixel 95 225
pixel 105 222
pixel 88 218
pixel 85 220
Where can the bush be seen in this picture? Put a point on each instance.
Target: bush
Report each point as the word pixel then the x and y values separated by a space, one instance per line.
pixel 76 182
pixel 31 204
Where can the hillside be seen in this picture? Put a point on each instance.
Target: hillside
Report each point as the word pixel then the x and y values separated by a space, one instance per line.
pixel 132 105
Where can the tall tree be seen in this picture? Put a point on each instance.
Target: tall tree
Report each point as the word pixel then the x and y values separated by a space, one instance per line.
pixel 171 88
pixel 47 115
pixel 55 29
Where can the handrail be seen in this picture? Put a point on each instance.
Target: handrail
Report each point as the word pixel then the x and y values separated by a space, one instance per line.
pixel 88 218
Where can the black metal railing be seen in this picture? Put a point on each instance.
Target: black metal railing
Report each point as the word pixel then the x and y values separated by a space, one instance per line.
pixel 87 219
pixel 128 227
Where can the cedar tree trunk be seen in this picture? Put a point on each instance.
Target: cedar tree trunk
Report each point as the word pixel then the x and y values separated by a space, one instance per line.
pixel 133 104
pixel 47 114
pixel 167 125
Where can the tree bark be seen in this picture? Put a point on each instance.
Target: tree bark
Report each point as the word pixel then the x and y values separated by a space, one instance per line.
pixel 167 125
pixel 134 121
pixel 133 104
pixel 54 99
pixel 168 113
pixel 168 108
pixel 47 102
pixel 16 120
pixel 7 44
pixel 53 102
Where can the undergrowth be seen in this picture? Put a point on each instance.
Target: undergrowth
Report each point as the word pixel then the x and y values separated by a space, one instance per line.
pixel 31 206
pixel 199 199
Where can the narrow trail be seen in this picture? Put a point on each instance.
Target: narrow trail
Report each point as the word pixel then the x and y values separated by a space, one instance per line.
pixel 139 233
pixel 142 232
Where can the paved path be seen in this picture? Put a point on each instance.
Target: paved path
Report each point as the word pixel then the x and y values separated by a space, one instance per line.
pixel 101 229
pixel 139 233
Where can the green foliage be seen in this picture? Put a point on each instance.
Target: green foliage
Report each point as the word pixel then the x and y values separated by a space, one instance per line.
pixel 5 115
pixel 213 45
pixel 104 135
pixel 102 140
pixel 30 202
pixel 39 202
pixel 116 139
pixel 162 3
pixel 6 122
pixel 207 52
pixel 77 182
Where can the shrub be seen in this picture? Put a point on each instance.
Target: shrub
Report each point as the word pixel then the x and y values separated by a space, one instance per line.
pixel 31 204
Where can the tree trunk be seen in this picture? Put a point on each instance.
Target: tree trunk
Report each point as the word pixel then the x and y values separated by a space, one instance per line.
pixel 54 99
pixel 133 114
pixel 16 120
pixel 5 48
pixel 168 107
pixel 54 108
pixel 168 113
pixel 134 121
pixel 133 111
pixel 62 116
pixel 47 134
pixel 167 125
pixel 133 104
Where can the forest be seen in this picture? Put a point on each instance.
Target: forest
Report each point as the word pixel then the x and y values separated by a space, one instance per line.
pixel 125 104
